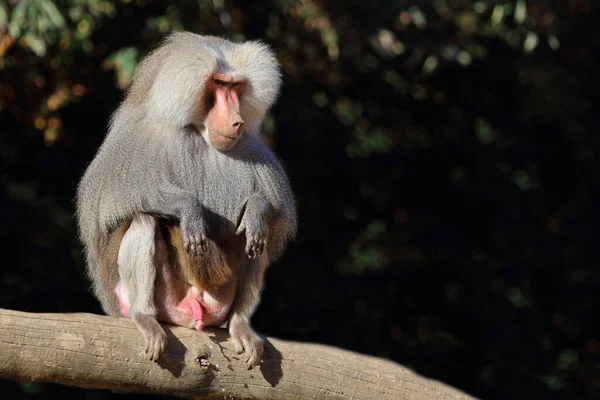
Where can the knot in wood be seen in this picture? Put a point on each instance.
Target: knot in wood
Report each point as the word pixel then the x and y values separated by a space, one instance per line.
pixel 203 363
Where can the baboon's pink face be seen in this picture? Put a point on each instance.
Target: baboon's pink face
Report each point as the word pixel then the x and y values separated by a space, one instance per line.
pixel 224 124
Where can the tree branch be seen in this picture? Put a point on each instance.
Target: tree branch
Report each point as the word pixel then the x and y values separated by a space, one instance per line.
pixel 99 352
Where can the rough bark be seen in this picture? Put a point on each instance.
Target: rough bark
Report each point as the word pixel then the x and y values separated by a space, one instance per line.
pixel 100 352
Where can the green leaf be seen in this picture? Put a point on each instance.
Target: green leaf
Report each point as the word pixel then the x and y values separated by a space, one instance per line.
pixel 484 131
pixel 3 16
pixel 53 13
pixel 124 62
pixel 36 44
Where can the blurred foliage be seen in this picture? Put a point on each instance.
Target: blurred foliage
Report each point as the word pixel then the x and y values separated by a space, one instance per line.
pixel 444 155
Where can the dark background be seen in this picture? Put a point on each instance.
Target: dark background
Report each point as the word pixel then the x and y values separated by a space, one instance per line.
pixel 442 154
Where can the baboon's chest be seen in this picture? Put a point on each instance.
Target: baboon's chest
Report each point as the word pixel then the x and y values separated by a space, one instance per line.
pixel 225 190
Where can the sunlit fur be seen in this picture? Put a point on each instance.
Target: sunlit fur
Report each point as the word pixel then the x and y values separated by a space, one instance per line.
pixel 153 159
pixel 168 81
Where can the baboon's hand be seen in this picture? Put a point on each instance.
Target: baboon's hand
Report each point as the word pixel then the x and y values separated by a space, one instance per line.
pixel 195 233
pixel 246 342
pixel 154 335
pixel 257 231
